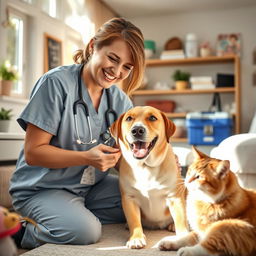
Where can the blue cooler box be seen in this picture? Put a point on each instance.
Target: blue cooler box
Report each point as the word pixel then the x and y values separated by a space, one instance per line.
pixel 208 128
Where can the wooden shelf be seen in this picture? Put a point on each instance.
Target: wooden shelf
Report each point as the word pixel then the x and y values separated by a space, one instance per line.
pixel 185 140
pixel 232 59
pixel 176 115
pixel 191 61
pixel 187 91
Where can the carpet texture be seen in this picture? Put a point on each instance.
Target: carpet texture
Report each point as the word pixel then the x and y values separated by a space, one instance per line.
pixel 112 243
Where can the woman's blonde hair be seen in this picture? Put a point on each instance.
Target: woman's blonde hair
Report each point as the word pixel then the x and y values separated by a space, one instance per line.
pixel 113 29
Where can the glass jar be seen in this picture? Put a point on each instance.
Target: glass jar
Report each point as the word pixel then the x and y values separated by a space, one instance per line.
pixel 191 46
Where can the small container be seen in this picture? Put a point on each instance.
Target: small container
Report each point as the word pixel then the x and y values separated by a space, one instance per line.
pixel 149 48
pixel 191 46
pixel 167 106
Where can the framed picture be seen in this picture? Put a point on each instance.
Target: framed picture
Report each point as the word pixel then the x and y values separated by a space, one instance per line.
pixel 52 52
pixel 229 44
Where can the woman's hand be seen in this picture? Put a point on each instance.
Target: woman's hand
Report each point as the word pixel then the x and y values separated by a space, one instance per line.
pixel 103 157
pixel 39 152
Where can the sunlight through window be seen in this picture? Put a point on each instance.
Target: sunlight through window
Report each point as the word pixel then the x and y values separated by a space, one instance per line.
pixel 15 48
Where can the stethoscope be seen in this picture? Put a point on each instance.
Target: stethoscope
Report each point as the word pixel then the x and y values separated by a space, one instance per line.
pixel 106 136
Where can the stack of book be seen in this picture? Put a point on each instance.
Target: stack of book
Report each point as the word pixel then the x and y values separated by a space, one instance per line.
pixel 201 82
pixel 172 54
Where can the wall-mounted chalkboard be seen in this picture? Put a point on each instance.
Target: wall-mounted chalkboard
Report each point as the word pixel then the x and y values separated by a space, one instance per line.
pixel 52 52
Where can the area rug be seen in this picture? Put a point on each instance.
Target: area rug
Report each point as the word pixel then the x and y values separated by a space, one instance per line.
pixel 112 243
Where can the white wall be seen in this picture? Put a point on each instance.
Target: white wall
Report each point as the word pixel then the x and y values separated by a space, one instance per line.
pixel 207 25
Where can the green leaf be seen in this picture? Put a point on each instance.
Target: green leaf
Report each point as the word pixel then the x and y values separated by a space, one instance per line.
pixel 181 76
pixel 5 114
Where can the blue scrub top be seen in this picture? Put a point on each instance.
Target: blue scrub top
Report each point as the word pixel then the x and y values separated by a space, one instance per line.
pixel 51 109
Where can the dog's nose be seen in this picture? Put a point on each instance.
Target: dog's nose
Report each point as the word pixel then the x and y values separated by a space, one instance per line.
pixel 138 131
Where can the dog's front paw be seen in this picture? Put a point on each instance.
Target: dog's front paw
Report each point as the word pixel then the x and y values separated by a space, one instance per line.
pixel 168 243
pixel 136 242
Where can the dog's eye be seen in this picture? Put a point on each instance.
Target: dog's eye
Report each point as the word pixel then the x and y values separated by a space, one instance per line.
pixel 129 118
pixel 152 118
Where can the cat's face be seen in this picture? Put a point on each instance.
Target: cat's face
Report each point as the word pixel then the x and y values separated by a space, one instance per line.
pixel 206 177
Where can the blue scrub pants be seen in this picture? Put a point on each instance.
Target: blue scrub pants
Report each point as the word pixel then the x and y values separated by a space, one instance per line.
pixel 66 218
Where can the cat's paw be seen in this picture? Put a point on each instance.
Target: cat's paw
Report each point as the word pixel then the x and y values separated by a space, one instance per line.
pixel 185 251
pixel 196 250
pixel 168 243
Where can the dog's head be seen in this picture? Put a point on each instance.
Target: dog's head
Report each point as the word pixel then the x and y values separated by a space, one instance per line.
pixel 142 131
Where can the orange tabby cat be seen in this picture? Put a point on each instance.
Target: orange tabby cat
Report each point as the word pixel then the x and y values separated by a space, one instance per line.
pixel 221 214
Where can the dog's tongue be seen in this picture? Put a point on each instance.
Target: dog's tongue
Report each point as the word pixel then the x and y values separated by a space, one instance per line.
pixel 140 149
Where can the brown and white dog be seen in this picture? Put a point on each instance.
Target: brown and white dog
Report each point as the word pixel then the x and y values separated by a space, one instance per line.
pixel 151 186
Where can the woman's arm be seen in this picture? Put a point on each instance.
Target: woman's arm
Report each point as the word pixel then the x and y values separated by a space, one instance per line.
pixel 39 152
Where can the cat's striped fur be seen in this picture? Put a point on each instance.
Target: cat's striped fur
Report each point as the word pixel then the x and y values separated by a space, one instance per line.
pixel 221 214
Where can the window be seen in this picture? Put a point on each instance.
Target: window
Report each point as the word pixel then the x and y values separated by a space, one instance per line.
pixel 50 7
pixel 15 47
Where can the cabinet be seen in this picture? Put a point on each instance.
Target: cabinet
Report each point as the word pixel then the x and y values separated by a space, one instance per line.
pixel 234 61
pixel 10 143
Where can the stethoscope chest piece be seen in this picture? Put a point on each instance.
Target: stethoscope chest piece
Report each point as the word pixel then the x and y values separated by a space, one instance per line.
pixel 107 138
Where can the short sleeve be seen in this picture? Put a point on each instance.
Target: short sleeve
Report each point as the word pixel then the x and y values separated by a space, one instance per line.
pixel 121 101
pixel 45 107
pixel 127 104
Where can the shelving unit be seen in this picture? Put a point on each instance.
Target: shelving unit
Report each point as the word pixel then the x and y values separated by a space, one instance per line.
pixel 235 60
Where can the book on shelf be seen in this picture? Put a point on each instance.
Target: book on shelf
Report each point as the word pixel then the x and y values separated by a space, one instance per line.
pixel 202 86
pixel 172 54
pixel 201 79
pixel 172 57
pixel 201 82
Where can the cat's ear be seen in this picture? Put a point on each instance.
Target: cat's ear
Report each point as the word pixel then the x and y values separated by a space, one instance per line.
pixel 223 168
pixel 198 154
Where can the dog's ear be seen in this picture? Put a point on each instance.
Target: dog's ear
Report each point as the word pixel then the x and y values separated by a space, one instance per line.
pixel 169 126
pixel 115 129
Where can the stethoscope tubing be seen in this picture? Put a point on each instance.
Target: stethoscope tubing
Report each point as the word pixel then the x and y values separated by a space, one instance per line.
pixel 110 110
pixel 80 101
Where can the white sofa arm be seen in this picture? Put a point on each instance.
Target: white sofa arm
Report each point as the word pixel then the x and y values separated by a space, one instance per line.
pixel 253 125
pixel 240 150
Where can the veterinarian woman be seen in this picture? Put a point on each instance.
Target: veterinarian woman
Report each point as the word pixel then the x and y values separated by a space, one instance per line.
pixel 61 180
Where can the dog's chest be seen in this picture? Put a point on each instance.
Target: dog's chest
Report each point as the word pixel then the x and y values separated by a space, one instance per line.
pixel 148 184
pixel 151 192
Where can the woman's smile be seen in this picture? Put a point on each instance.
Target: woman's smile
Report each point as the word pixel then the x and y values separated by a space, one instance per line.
pixel 108 76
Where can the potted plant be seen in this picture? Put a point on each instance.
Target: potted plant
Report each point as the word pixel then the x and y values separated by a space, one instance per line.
pixel 181 79
pixel 5 118
pixel 8 74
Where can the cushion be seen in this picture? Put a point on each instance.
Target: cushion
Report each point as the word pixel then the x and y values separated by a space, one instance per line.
pixel 239 149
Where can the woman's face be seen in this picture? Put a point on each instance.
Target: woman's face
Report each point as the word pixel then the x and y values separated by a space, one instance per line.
pixel 110 64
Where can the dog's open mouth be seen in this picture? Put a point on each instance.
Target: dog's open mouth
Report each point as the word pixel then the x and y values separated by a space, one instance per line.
pixel 141 149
